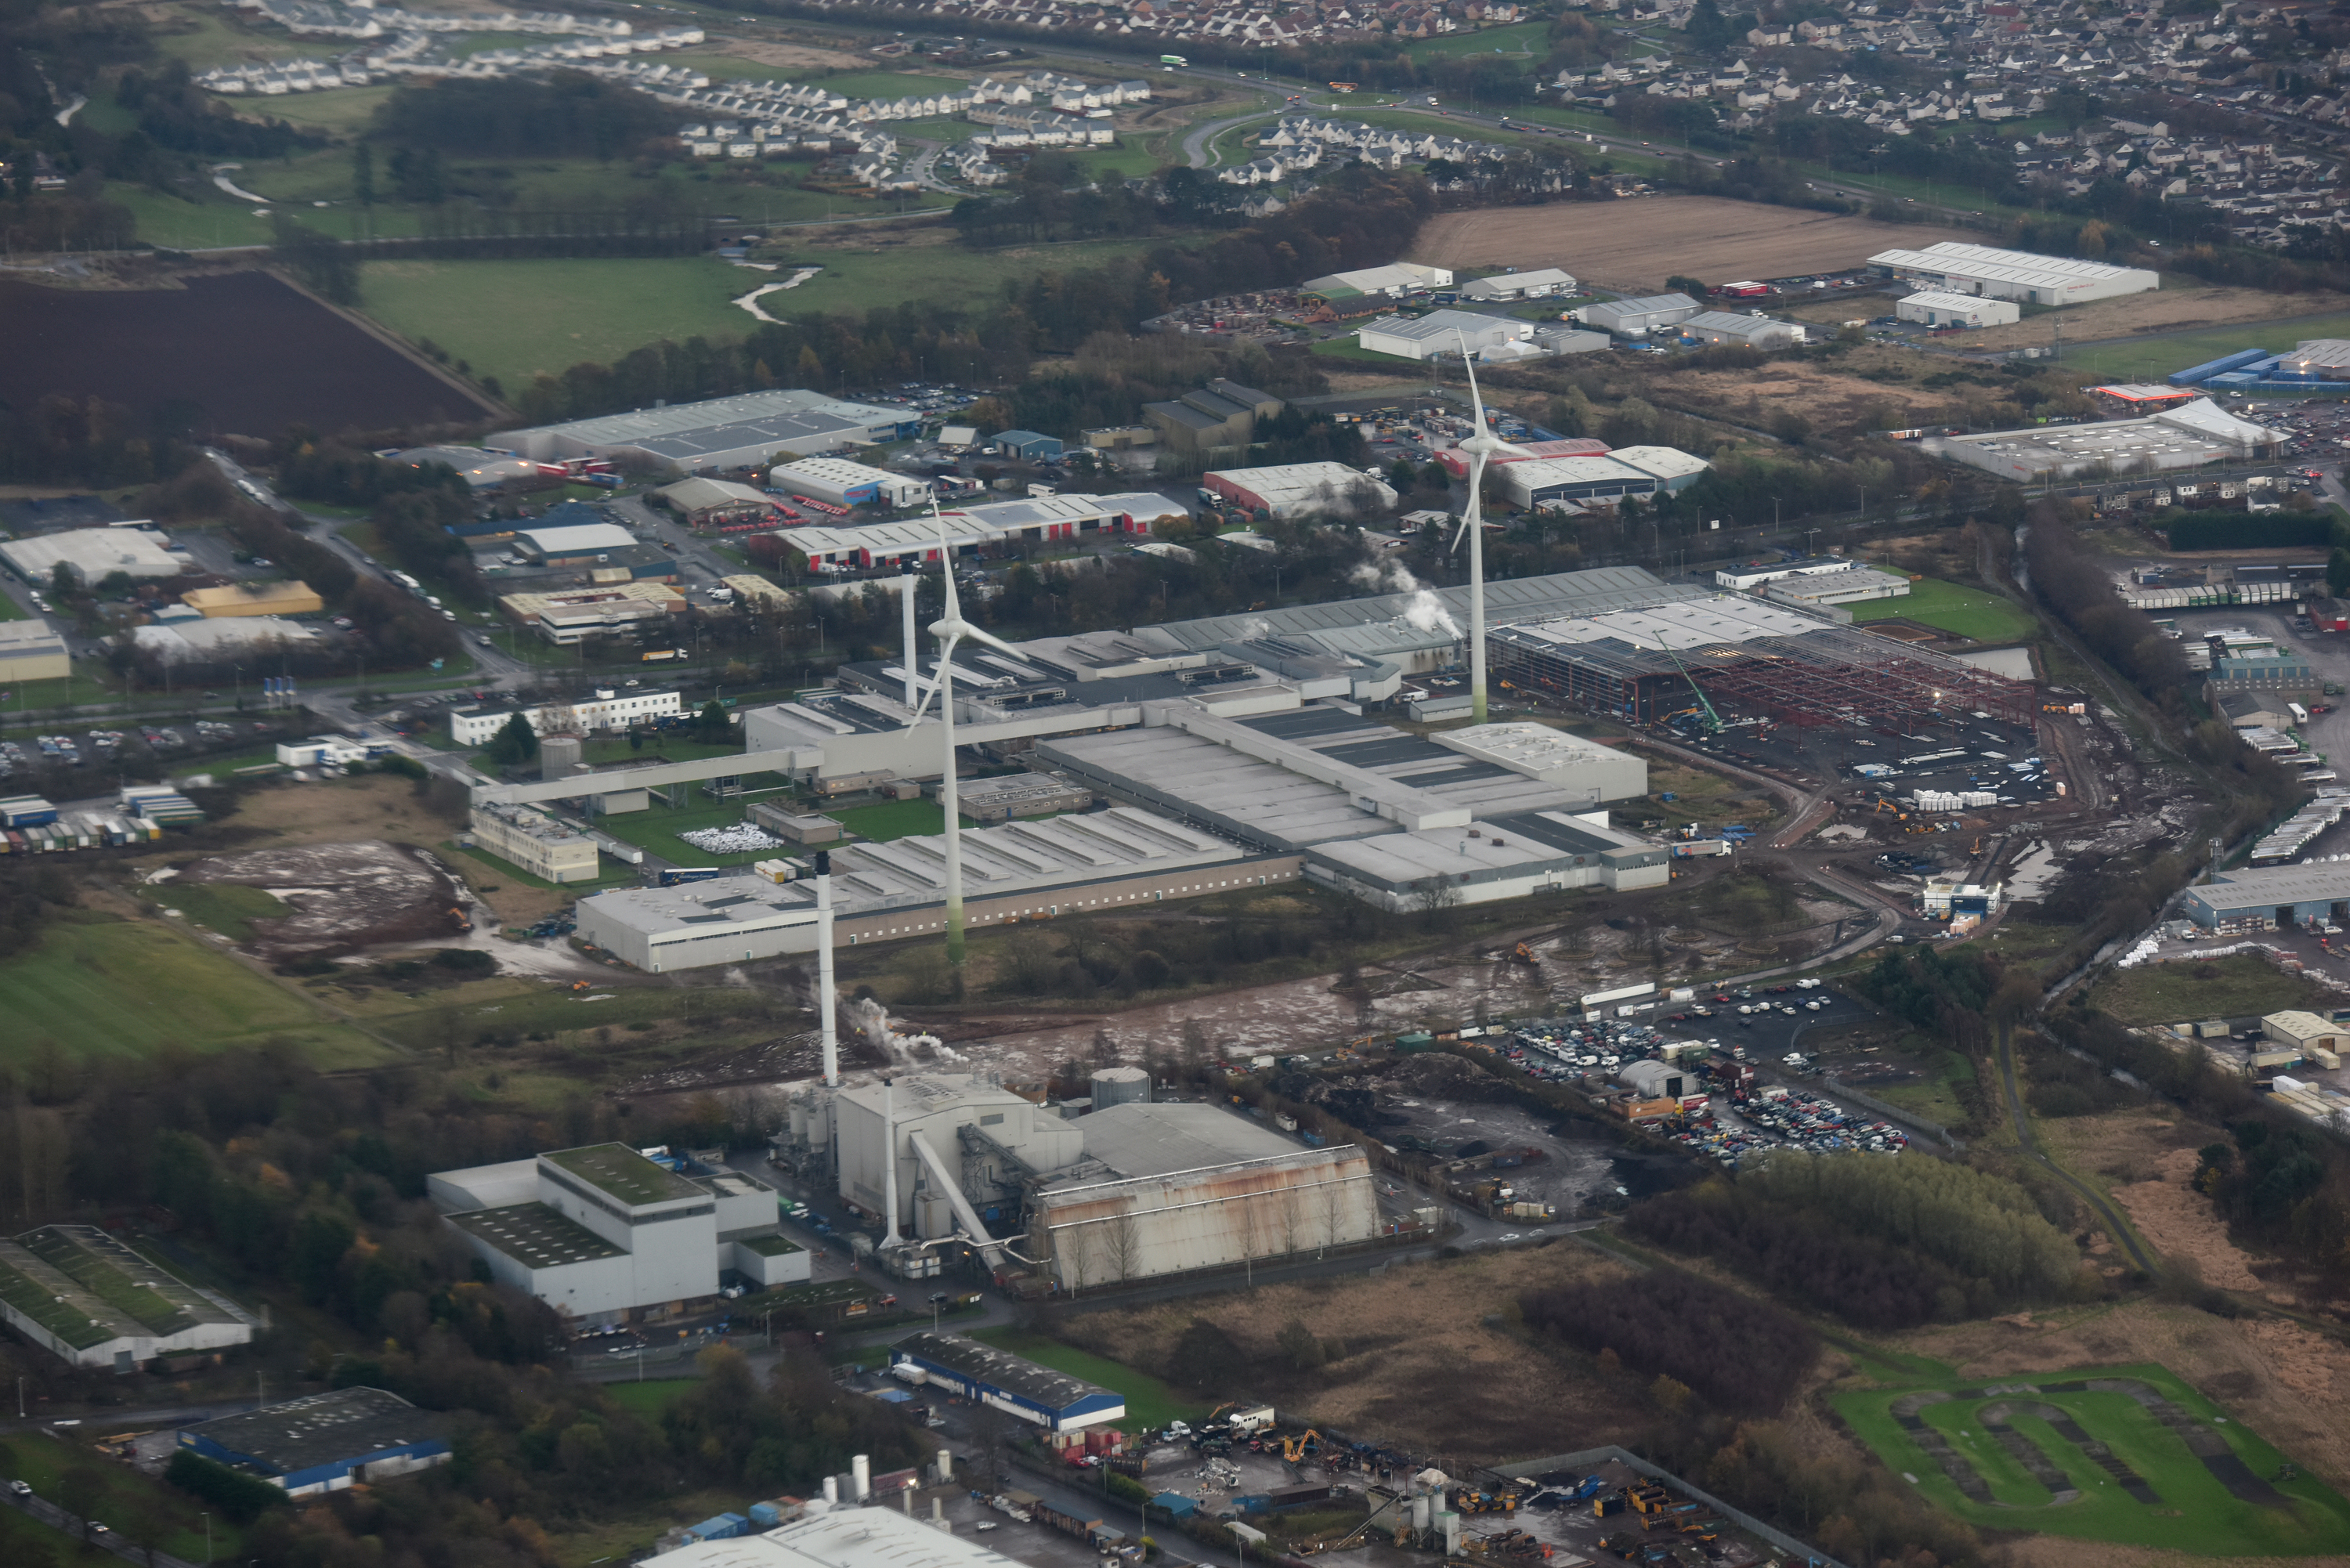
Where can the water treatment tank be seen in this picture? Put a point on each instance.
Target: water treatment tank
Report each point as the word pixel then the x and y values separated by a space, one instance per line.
pixel 1120 1086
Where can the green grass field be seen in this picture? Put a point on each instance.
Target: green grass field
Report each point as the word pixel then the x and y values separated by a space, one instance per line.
pixel 2196 1513
pixel 516 319
pixel 119 988
pixel 127 1494
pixel 1969 612
pixel 1148 1401
pixel 649 1399
pixel 2239 985
pixel 1526 41
pixel 656 829
pixel 2151 358
pixel 228 908
pixel 894 820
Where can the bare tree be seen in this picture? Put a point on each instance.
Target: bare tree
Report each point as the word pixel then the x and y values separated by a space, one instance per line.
pixel 1334 1208
pixel 1195 1043
pixel 1123 1243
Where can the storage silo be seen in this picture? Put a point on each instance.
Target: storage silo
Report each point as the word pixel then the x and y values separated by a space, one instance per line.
pixel 1120 1086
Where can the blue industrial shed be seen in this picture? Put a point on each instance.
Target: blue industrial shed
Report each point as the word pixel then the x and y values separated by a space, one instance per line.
pixel 1027 444
pixel 1012 1383
pixel 324 1442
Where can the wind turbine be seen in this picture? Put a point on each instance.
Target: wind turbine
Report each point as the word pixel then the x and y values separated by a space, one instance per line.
pixel 1480 446
pixel 950 629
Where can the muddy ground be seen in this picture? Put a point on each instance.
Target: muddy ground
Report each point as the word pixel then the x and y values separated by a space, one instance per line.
pixel 1635 244
pixel 1420 1369
pixel 346 895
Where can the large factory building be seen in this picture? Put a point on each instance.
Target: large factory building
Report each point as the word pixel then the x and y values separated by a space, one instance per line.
pixel 1388 817
pixel 1130 1191
pixel 1956 267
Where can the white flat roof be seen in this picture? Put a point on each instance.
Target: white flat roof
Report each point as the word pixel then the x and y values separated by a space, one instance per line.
pixel 842 1538
pixel 1536 472
pixel 1957 259
pixel 1689 624
pixel 580 537
pixel 1663 461
pixel 92 553
pixel 1935 299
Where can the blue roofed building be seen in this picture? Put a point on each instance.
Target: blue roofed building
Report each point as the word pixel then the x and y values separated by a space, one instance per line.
pixel 325 1442
pixel 1012 1384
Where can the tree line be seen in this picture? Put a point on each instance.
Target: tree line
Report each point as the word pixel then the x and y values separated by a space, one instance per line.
pixel 1361 218
pixel 1732 1350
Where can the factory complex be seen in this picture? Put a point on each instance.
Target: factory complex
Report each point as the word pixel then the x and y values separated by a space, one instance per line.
pixel 1112 1188
pixel 1194 757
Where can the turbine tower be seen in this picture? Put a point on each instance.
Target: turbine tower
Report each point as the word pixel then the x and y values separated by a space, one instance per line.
pixel 1480 446
pixel 950 629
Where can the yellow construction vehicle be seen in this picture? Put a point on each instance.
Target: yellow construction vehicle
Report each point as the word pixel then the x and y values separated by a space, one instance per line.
pixel 1306 1442
pixel 1524 954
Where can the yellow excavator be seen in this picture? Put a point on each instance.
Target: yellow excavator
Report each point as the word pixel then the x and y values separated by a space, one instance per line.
pixel 1296 1449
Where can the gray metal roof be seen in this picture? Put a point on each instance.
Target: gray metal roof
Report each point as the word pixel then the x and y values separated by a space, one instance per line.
pixel 322 1428
pixel 1160 1140
pixel 2264 889
pixel 1012 1374
pixel 1382 616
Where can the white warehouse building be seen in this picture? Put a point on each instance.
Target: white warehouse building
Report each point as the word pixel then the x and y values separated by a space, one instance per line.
pixel 1956 267
pixel 606 1234
pixel 1937 309
pixel 1439 334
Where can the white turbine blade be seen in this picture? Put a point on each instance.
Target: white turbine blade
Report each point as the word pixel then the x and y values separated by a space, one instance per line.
pixel 938 681
pixel 946 568
pixel 1513 451
pixel 982 635
pixel 1470 365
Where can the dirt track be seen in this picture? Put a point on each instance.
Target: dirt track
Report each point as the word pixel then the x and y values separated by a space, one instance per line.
pixel 1635 244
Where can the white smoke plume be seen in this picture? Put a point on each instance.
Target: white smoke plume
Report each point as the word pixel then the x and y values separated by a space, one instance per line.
pixel 1424 611
pixel 871 1019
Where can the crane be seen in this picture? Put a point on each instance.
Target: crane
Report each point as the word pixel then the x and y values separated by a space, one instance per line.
pixel 1713 720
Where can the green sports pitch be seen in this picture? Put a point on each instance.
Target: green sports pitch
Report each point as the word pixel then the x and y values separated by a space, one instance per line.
pixel 2128 1455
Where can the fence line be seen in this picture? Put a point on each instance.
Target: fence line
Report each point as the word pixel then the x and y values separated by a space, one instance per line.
pixel 1906 1118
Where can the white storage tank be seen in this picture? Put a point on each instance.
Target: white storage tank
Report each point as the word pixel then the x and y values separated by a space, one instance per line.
pixel 1120 1086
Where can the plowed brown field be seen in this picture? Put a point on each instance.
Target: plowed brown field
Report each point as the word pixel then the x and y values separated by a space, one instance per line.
pixel 1636 243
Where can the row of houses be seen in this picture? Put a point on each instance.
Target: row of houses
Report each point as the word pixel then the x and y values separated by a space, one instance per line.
pixel 416 53
pixel 1300 142
pixel 366 21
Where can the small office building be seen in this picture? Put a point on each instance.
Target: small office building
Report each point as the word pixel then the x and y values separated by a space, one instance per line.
pixel 1933 308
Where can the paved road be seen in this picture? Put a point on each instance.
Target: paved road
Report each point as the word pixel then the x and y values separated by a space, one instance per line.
pixel 1196 148
pixel 71 1527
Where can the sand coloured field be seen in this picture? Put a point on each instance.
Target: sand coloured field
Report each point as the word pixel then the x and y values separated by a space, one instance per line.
pixel 2167 309
pixel 1635 244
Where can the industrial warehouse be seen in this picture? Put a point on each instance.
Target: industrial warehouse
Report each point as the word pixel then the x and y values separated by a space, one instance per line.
pixel 92 1301
pixel 1381 815
pixel 1956 267
pixel 986 1375
pixel 1110 859
pixel 2188 436
pixel 1126 1191
pixel 609 1233
pixel 722 432
pixel 325 1442
pixel 2315 895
